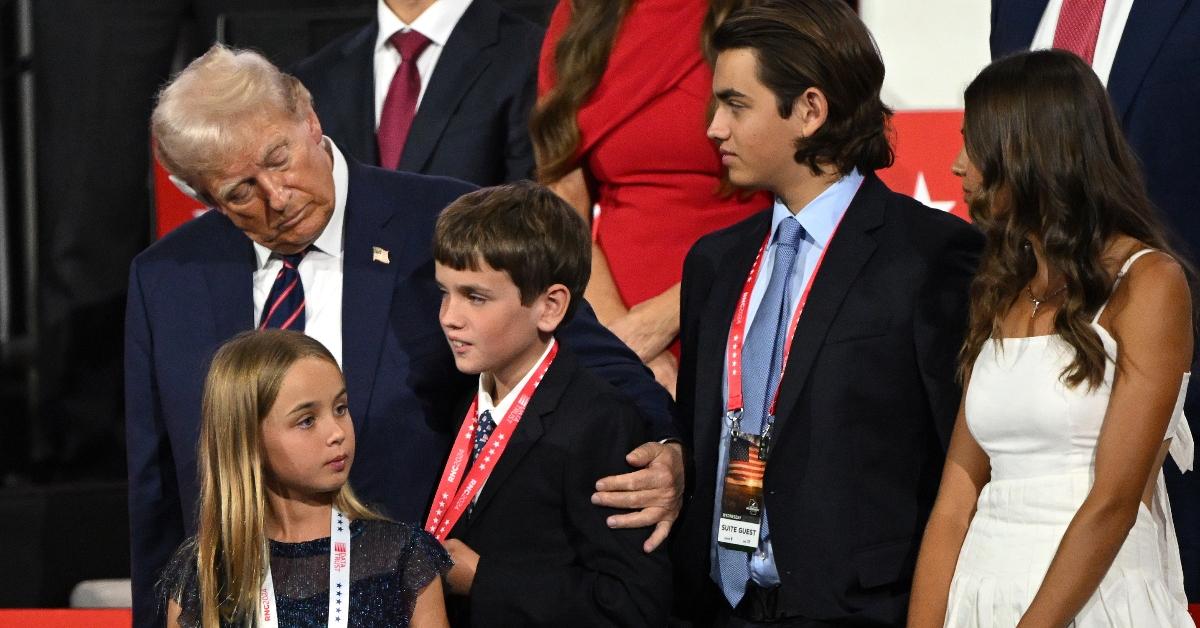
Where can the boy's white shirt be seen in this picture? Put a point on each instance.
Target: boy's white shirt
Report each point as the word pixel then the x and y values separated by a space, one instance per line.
pixel 484 398
pixel 498 410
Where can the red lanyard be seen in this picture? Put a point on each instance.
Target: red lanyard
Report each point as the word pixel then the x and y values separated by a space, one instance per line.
pixel 454 491
pixel 737 331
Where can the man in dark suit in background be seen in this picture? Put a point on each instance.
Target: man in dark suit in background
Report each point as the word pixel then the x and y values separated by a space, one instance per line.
pixel 460 110
pixel 1148 54
pixel 809 494
pixel 304 238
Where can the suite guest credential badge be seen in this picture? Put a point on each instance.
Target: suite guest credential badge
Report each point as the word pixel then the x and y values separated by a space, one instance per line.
pixel 741 503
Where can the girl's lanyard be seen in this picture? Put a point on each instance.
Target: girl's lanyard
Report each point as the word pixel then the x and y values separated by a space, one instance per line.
pixel 737 335
pixel 457 489
pixel 339 578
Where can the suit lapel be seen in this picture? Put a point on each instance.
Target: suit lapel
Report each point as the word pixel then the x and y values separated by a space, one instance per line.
pixel 230 281
pixel 367 285
pixel 848 252
pixel 352 83
pixel 1014 23
pixel 1145 32
pixel 530 429
pixel 460 64
pixel 714 334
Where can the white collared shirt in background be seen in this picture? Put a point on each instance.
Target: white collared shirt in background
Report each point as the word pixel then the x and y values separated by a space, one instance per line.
pixel 436 23
pixel 1112 25
pixel 320 270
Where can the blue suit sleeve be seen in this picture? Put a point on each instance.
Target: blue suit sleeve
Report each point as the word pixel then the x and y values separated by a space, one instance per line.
pixel 605 355
pixel 155 515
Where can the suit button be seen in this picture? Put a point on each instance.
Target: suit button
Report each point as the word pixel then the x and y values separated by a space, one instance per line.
pixel 771 492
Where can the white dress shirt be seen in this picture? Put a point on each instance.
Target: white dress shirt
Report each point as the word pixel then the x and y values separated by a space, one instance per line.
pixel 436 23
pixel 484 402
pixel 1112 25
pixel 498 410
pixel 320 270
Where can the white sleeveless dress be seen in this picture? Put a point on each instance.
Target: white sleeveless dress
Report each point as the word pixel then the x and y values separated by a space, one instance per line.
pixel 1040 436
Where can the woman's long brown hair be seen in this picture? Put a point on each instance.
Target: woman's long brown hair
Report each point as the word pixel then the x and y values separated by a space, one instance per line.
pixel 580 59
pixel 242 384
pixel 1055 166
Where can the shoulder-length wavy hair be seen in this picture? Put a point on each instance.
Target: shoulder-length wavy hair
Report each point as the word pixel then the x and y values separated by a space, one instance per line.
pixel 242 384
pixel 1055 165
pixel 580 59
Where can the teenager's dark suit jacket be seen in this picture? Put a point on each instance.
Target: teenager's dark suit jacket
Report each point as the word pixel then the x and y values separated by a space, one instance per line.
pixel 865 410
pixel 473 122
pixel 1155 91
pixel 547 557
pixel 192 290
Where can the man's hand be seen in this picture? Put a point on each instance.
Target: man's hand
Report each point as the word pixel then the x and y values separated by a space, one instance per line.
pixel 462 574
pixel 655 491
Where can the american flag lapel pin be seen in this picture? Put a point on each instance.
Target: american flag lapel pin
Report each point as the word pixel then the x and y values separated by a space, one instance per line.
pixel 380 254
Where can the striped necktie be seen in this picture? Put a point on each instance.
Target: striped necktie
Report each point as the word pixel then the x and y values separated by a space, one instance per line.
pixel 284 308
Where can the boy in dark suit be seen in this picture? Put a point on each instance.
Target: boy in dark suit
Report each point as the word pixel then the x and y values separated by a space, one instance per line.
pixel 528 545
pixel 816 385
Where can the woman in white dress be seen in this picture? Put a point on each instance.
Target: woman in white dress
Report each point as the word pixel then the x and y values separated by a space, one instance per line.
pixel 1051 510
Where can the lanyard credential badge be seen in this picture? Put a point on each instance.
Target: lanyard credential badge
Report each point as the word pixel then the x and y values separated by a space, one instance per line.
pixel 741 501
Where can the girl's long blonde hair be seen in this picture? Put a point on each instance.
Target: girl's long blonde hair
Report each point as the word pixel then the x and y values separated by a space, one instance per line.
pixel 242 384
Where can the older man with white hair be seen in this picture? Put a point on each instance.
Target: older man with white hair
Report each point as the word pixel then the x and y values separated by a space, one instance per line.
pixel 302 238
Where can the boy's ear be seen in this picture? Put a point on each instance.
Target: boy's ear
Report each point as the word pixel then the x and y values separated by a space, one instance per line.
pixel 810 110
pixel 554 302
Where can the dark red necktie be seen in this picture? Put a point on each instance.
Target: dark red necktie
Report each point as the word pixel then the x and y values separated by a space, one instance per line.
pixel 1079 26
pixel 401 103
pixel 284 308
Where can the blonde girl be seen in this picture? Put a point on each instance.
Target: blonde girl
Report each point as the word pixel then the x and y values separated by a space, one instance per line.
pixel 279 525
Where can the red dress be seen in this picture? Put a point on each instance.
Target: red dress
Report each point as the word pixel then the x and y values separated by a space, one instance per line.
pixel 657 177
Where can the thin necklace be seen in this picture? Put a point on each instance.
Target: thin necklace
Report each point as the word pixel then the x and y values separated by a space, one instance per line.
pixel 1038 302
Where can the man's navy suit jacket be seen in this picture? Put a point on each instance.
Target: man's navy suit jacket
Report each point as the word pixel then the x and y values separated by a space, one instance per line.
pixel 1155 90
pixel 473 121
pixel 191 291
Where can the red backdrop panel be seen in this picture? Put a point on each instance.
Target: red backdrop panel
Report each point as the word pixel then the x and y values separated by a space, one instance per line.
pixel 926 143
pixel 64 618
pixel 171 207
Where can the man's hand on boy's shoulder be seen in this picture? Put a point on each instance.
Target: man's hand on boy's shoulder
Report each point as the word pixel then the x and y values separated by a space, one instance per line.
pixel 655 491
pixel 462 575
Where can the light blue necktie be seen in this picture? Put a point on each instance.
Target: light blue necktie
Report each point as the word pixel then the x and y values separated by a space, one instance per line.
pixel 762 360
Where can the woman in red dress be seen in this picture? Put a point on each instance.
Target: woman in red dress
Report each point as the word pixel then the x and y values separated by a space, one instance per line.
pixel 624 88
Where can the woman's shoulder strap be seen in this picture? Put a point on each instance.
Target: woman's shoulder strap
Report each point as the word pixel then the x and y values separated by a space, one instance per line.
pixel 1121 275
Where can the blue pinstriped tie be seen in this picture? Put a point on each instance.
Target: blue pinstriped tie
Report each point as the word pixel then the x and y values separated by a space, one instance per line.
pixel 762 359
